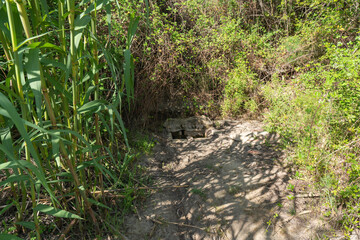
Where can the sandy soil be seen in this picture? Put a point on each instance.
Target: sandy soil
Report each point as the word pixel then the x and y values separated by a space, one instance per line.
pixel 219 188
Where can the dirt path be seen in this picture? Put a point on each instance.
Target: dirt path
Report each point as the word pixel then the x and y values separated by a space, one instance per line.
pixel 219 188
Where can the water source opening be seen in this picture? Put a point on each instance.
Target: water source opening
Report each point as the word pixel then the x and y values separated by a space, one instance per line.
pixel 184 135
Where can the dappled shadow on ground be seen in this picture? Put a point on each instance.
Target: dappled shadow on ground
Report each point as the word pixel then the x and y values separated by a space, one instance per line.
pixel 218 188
pixel 235 188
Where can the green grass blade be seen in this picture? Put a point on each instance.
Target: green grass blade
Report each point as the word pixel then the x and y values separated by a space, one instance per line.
pixel 55 212
pixel 44 7
pixel 134 21
pixel 10 109
pixel 147 13
pixel 35 45
pixel 6 208
pixel 122 126
pixel 33 73
pixel 28 225
pixel 51 63
pixel 59 88
pixel 127 75
pixel 92 107
pixel 9 237
pixel 106 126
pixel 5 136
pixel 41 45
pixel 80 25
pixel 15 178
pixel 108 17
pixel 55 143
pixel 14 163
pixel 99 204
pixel 3 22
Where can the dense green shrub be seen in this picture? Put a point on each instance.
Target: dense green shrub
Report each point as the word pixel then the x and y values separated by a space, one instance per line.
pixel 319 115
pixel 240 88
pixel 184 50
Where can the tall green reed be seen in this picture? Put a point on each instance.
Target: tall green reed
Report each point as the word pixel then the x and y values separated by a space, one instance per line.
pixel 54 118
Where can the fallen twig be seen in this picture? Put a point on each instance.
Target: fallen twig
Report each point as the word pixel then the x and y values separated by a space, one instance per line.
pixel 137 212
pixel 305 195
pixel 140 188
pixel 154 188
pixel 304 212
pixel 108 193
pixel 180 224
pixel 139 182
pixel 297 215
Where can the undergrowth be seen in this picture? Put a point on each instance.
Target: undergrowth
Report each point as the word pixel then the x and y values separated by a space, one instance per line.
pixel 318 116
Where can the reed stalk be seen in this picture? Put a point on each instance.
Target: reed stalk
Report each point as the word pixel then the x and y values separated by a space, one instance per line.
pixel 49 108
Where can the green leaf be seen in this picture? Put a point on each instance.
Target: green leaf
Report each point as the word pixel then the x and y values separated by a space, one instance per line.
pixel 7 208
pixel 18 121
pixel 14 178
pixel 21 68
pixel 134 21
pixel 93 106
pixel 55 142
pixel 88 93
pixel 108 17
pixel 29 225
pixel 3 23
pixel 8 90
pixel 147 13
pixel 80 24
pixel 15 163
pixel 52 63
pixel 99 204
pixel 106 125
pixel 44 7
pixel 30 39
pixel 55 212
pixel 109 59
pixel 5 135
pixel 59 88
pixel 45 45
pixel 127 74
pixel 32 68
pixel 118 116
pixel 9 237
pixel 98 3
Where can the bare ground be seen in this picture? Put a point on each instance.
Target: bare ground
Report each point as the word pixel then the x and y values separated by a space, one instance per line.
pixel 218 188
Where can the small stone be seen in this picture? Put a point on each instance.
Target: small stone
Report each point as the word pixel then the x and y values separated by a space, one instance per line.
pixel 244 137
pixel 183 128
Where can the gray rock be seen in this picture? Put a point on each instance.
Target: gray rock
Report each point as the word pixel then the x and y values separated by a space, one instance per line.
pixel 188 127
pixel 213 131
pixel 249 137
pixel 220 124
